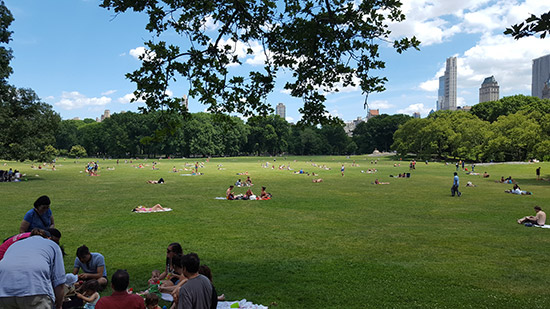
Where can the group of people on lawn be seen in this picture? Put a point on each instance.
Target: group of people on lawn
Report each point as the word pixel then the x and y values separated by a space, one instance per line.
pixel 32 273
pixel 248 195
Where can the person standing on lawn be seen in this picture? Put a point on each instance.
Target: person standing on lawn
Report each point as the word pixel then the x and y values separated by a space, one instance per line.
pixel 454 188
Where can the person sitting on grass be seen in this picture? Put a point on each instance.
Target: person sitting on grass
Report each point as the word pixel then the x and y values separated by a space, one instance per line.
pixel 90 295
pixel 470 184
pixel 376 182
pixel 157 207
pixel 229 193
pixel 161 180
pixel 485 175
pixel 238 183
pixel 249 195
pixel 539 218
pixel 248 182
pixel 154 284
pixel 264 195
pixel 92 265
pixel 120 297
pixel 152 301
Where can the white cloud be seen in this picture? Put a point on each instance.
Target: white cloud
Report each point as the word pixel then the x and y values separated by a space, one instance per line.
pixel 74 99
pixel 108 92
pixel 380 104
pixel 142 53
pixel 289 119
pixel 127 98
pixel 419 108
pixel 240 49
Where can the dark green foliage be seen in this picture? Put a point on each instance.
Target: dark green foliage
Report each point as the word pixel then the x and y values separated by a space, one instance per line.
pixel 377 132
pixel 511 129
pixel 323 44
pixel 533 25
pixel 28 125
pixel 6 19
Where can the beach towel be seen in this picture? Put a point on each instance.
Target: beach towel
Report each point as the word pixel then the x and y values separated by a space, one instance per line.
pixel 243 304
pixel 148 210
pixel 546 226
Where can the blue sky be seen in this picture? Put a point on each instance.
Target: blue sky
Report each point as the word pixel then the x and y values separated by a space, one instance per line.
pixel 75 54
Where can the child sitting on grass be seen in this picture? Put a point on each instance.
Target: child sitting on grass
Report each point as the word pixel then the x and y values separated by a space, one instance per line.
pixel 90 295
pixel 152 301
pixel 154 283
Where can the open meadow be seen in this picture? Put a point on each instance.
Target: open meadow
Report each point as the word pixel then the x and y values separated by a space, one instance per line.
pixel 342 243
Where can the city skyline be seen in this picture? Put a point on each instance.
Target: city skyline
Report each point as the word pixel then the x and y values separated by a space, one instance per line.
pixel 80 69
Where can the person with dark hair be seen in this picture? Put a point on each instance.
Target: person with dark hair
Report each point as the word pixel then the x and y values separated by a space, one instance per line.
pixel 90 295
pixel 229 193
pixel 120 297
pixel 454 188
pixel 205 270
pixel 538 219
pixel 32 275
pixel 197 291
pixel 39 217
pixel 92 264
pixel 11 240
pixel 173 249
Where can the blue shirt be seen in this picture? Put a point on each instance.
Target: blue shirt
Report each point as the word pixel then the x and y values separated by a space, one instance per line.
pixel 33 218
pixel 455 182
pixel 32 266
pixel 95 261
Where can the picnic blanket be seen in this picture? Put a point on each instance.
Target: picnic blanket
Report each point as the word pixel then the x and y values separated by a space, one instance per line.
pixel 546 226
pixel 146 211
pixel 243 304
pixel 220 198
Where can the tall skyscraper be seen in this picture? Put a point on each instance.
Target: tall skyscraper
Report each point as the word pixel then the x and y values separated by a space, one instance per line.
pixel 489 90
pixel 185 101
pixel 281 110
pixel 541 74
pixel 448 101
pixel 441 93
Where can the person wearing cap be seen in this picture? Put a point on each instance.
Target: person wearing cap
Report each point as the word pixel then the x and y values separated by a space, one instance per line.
pixel 40 261
pixel 39 217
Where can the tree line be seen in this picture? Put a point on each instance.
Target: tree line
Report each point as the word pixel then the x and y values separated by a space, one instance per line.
pixel 514 128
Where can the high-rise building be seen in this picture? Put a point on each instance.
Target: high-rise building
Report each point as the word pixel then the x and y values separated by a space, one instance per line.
pixel 373 113
pixel 185 102
pixel 441 93
pixel 281 110
pixel 546 90
pixel 450 84
pixel 540 75
pixel 489 90
pixel 416 115
pixel 106 114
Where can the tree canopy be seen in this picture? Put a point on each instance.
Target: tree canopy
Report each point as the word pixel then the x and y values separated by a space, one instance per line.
pixel 533 25
pixel 324 44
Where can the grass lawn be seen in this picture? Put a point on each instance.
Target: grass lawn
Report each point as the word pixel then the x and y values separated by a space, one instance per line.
pixel 342 243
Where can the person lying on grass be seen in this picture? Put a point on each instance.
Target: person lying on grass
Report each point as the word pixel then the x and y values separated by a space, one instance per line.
pixel 157 207
pixel 317 180
pixel 376 182
pixel 539 218
pixel 517 190
pixel 156 181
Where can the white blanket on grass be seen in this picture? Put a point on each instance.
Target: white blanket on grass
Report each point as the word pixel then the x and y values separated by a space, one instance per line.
pixel 243 304
pixel 149 211
pixel 546 226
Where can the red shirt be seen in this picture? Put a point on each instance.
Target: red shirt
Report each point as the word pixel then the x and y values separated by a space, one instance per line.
pixel 119 300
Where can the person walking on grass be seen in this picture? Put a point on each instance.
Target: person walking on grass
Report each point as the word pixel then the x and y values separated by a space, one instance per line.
pixel 454 188
pixel 538 173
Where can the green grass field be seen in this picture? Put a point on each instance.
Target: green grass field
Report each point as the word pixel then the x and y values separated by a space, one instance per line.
pixel 342 243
